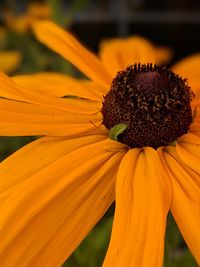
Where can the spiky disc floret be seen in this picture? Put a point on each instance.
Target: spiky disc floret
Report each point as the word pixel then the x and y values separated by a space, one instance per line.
pixel 152 101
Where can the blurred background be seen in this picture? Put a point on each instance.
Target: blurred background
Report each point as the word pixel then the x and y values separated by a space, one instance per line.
pixel 175 24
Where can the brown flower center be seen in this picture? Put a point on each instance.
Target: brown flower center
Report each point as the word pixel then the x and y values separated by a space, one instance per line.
pixel 152 101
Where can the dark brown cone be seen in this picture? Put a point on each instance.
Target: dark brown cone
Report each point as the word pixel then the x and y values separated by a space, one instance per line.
pixel 152 101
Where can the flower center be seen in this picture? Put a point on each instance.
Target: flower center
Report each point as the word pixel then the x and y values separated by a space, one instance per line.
pixel 152 101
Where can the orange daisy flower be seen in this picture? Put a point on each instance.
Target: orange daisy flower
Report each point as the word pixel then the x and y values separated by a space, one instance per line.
pixel 54 190
pixel 22 23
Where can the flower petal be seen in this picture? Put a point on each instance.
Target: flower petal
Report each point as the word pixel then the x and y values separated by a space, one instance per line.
pixel 188 149
pixel 11 90
pixel 118 54
pixel 19 118
pixel 38 155
pixel 189 68
pixel 9 60
pixel 142 194
pixel 55 84
pixel 55 208
pixel 186 198
pixel 66 45
pixel 196 114
pixel 195 128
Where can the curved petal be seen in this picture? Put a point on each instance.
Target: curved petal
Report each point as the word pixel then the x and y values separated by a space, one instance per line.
pixel 186 198
pixel 39 10
pixel 11 90
pixel 55 84
pixel 118 54
pixel 188 149
pixel 163 54
pixel 19 118
pixel 38 155
pixel 66 45
pixel 9 60
pixel 195 128
pixel 196 114
pixel 55 208
pixel 189 68
pixel 143 196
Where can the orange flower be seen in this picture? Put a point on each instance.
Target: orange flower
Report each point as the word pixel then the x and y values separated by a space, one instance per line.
pixel 22 23
pixel 9 60
pixel 54 190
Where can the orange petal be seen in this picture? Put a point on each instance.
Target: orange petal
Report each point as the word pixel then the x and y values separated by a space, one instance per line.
pixel 189 68
pixel 189 138
pixel 118 54
pixel 188 149
pixel 9 60
pixel 11 90
pixel 39 10
pixel 143 193
pixel 185 205
pixel 55 84
pixel 38 155
pixel 163 54
pixel 19 118
pixel 196 112
pixel 195 128
pixel 66 45
pixel 55 208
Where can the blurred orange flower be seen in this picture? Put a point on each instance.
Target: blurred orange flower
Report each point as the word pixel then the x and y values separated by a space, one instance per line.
pixel 22 23
pixel 9 61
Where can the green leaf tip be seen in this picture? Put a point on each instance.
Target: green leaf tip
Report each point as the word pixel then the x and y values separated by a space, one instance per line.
pixel 117 130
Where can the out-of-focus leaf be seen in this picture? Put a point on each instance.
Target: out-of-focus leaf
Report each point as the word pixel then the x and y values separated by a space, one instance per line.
pixel 9 145
pixel 57 14
pixel 176 252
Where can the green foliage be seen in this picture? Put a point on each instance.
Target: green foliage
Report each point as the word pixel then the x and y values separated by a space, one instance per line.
pixel 92 250
pixel 65 19
pixel 9 145
pixel 176 251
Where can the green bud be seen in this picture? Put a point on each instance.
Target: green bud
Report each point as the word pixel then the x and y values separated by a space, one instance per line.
pixel 116 131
